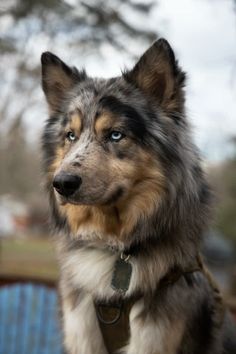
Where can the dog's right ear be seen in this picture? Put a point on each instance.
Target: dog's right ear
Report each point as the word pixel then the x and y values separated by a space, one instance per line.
pixel 159 76
pixel 57 80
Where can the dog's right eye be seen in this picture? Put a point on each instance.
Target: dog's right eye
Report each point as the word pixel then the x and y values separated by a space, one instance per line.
pixel 116 136
pixel 70 136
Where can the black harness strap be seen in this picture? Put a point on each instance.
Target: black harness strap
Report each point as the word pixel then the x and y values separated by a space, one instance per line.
pixel 114 323
pixel 113 317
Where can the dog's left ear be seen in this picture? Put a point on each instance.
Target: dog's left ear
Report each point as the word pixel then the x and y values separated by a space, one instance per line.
pixel 158 75
pixel 57 80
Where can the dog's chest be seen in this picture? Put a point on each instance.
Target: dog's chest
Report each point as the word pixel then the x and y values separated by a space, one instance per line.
pixel 98 272
pixel 91 271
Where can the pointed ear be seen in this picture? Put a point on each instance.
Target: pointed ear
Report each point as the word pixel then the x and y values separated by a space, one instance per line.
pixel 158 75
pixel 57 79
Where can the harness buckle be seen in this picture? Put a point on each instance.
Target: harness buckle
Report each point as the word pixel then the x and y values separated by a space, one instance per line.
pixel 108 314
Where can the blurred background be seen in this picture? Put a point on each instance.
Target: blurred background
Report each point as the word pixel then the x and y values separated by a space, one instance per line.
pixel 106 36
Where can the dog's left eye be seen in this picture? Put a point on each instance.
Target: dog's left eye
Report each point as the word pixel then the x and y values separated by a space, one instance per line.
pixel 70 136
pixel 116 136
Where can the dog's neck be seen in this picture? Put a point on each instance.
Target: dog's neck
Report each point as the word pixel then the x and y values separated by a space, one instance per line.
pixel 90 265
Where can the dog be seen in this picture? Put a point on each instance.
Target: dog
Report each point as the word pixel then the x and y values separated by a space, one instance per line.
pixel 129 202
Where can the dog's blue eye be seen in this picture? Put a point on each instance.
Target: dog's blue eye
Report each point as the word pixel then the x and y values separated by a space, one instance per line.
pixel 70 136
pixel 116 136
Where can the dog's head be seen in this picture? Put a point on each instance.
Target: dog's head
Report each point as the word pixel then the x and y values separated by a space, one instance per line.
pixel 109 145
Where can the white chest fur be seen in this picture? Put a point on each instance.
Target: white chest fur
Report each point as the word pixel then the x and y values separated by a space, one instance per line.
pixel 91 269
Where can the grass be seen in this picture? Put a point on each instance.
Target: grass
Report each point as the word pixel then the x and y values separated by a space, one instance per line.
pixel 28 257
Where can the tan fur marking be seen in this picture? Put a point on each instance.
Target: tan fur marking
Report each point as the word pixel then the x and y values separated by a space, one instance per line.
pixel 75 122
pixel 98 219
pixel 103 122
pixel 147 190
pixel 59 155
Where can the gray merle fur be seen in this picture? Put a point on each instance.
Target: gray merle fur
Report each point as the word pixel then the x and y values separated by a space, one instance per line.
pixel 149 99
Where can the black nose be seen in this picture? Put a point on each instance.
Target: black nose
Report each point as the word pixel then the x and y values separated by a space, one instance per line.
pixel 66 184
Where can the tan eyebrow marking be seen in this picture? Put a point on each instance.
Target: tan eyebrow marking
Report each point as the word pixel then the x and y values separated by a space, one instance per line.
pixel 75 122
pixel 104 122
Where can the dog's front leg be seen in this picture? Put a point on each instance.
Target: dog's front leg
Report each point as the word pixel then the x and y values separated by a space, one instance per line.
pixel 152 335
pixel 80 326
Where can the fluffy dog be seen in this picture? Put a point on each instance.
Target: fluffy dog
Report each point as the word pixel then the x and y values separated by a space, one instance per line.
pixel 130 204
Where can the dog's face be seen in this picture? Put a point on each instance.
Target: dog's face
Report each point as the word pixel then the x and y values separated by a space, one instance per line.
pixel 100 138
pixel 99 158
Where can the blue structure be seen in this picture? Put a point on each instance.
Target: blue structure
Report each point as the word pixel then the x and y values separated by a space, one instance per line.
pixel 29 320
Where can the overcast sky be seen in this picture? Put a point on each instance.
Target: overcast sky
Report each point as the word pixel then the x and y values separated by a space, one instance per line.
pixel 204 35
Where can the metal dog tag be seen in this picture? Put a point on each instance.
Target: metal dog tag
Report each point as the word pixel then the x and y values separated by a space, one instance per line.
pixel 121 275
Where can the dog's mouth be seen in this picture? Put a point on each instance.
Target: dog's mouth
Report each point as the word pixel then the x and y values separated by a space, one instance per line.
pixel 109 198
